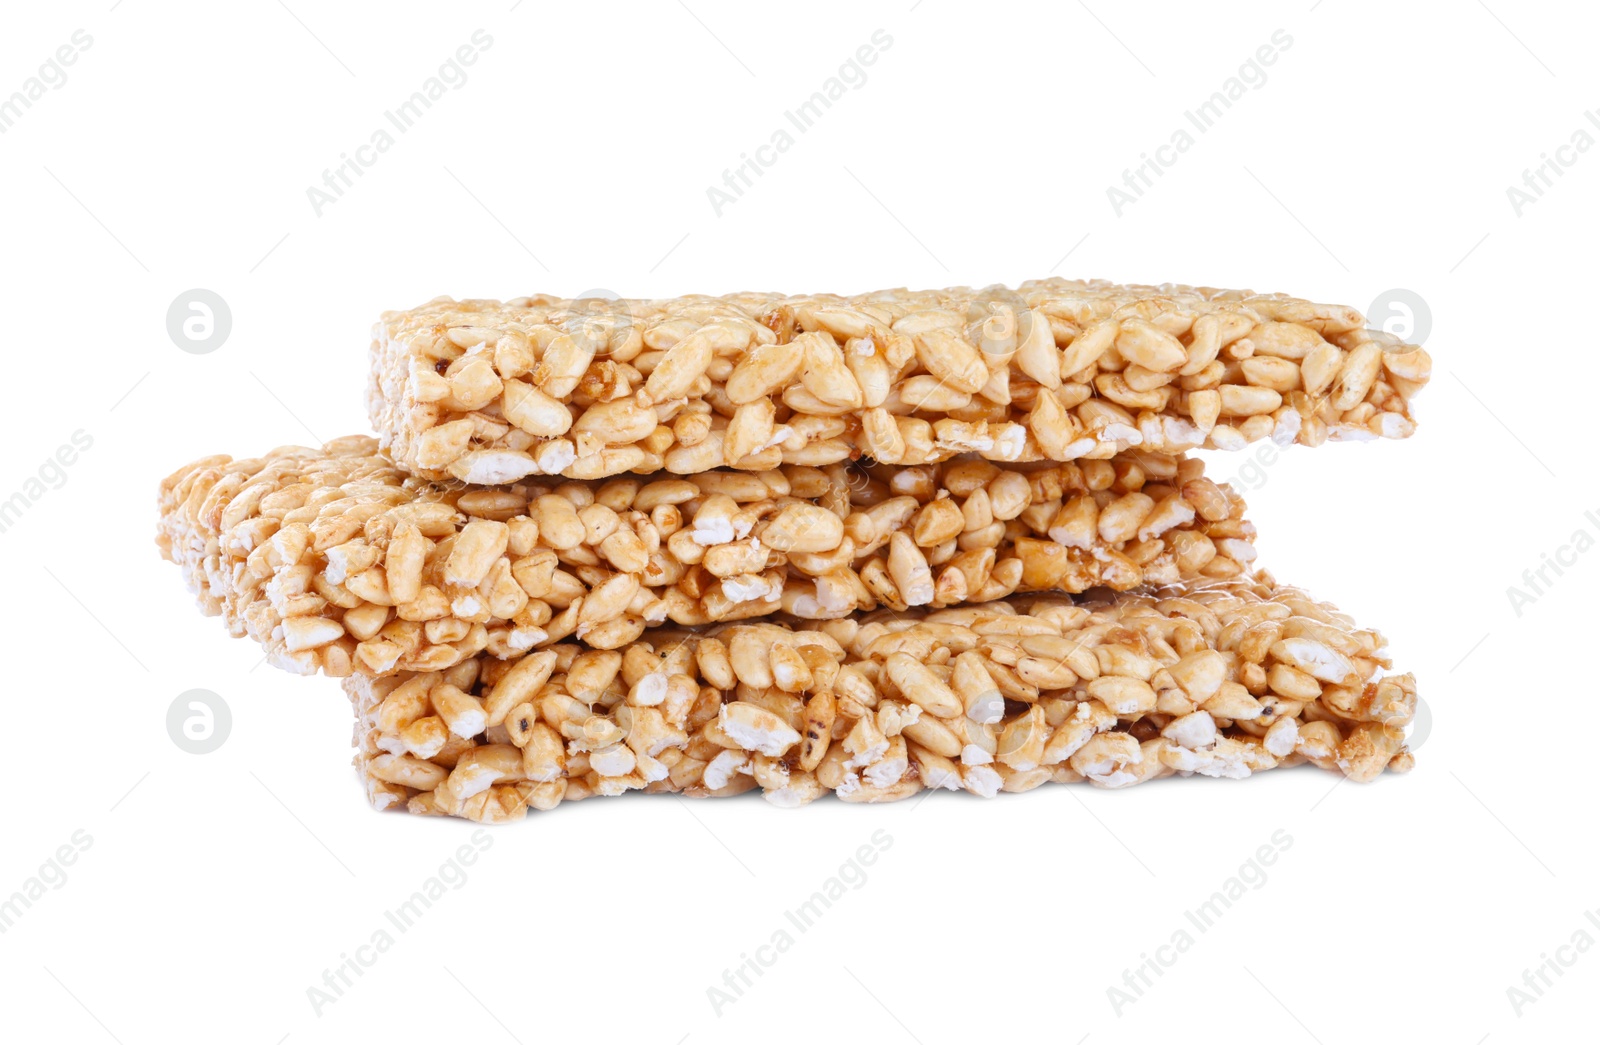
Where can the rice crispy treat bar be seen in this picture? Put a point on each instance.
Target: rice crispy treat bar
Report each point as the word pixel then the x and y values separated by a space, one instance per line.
pixel 1060 370
pixel 336 560
pixel 1223 679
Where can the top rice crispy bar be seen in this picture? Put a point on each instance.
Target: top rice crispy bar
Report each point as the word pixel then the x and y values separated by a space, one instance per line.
pixel 492 392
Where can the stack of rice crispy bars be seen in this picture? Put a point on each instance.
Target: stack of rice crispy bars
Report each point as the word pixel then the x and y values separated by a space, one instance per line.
pixel 866 545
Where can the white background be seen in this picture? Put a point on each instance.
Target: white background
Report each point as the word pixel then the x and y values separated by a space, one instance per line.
pixel 1376 155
